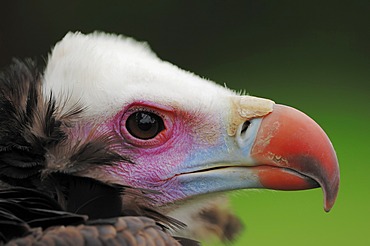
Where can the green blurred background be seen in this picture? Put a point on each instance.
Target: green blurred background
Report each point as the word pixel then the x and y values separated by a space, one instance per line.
pixel 313 55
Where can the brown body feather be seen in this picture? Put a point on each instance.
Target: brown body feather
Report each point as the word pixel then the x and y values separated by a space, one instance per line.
pixel 118 231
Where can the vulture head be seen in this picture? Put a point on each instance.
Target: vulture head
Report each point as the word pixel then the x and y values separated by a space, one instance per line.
pixel 184 140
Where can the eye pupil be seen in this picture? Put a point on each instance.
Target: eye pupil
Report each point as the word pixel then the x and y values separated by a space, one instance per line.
pixel 145 121
pixel 144 125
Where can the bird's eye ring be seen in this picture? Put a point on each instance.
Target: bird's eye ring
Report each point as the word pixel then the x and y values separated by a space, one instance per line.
pixel 144 125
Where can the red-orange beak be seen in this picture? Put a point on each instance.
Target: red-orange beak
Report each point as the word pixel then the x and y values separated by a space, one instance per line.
pixel 293 153
pixel 268 146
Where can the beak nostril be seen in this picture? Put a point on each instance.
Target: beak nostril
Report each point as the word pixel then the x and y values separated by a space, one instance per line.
pixel 246 133
pixel 245 127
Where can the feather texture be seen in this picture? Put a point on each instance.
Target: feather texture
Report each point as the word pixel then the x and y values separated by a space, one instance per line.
pixel 46 200
pixel 28 125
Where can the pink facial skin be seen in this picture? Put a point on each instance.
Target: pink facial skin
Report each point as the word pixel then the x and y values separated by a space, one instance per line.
pixel 158 161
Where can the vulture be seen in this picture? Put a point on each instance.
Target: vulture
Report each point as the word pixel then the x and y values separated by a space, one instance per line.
pixel 109 145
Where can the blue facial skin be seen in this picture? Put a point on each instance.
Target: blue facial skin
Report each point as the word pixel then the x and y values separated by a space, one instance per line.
pixel 231 152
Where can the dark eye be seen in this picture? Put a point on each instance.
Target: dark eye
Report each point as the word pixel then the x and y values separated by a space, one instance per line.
pixel 144 125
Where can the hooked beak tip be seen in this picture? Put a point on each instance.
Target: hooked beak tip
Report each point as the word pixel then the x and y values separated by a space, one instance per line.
pixel 290 140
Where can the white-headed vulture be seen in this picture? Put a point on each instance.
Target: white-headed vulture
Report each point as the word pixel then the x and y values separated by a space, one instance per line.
pixel 111 145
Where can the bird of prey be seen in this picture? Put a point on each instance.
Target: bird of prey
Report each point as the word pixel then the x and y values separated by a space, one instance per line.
pixel 111 145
